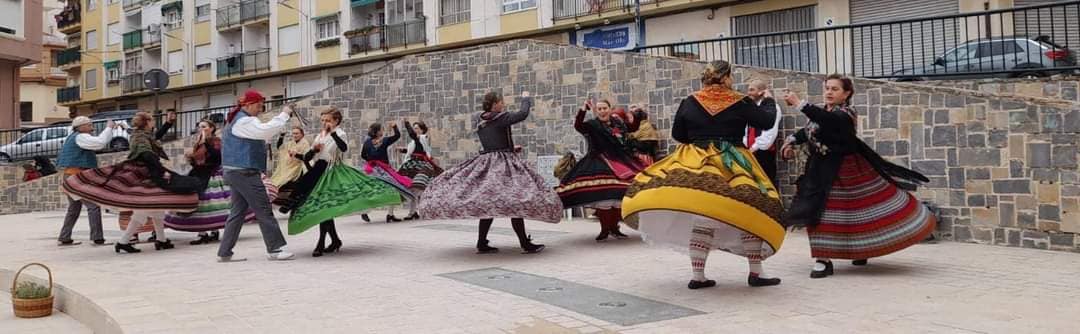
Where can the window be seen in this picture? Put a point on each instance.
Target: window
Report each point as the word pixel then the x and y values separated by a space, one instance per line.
pixel 204 56
pixel 202 10
pixel 998 48
pixel 55 133
pixel 133 64
pixel 963 52
pixel 453 11
pixel 33 136
pixel 11 18
pixel 91 80
pixel 91 40
pixel 115 36
pixel 26 111
pixel 112 75
pixel 176 61
pixel 173 19
pixel 91 5
pixel 287 37
pixel 516 5
pixel 328 27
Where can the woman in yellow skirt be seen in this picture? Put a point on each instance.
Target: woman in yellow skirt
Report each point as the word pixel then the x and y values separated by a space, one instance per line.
pixel 733 206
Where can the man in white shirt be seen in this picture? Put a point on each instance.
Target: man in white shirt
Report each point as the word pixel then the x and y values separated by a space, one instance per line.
pixel 243 156
pixel 78 154
pixel 761 141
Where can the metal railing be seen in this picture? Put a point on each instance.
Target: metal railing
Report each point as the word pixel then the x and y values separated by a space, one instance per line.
pixel 132 82
pixel 67 94
pixel 243 12
pixel 133 39
pixel 573 9
pixel 68 17
pixel 383 37
pixel 47 141
pixel 68 56
pixel 132 4
pixel 243 63
pixel 1024 41
pixel 152 35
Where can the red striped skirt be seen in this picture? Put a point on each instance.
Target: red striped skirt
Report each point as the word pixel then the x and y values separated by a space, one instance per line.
pixel 126 187
pixel 866 216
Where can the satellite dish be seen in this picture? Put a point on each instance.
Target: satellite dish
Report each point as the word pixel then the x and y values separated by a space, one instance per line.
pixel 156 79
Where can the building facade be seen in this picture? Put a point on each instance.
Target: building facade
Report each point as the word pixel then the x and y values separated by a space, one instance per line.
pixel 20 45
pixel 39 82
pixel 213 49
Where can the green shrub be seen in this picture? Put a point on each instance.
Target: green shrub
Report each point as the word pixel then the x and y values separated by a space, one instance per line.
pixel 31 290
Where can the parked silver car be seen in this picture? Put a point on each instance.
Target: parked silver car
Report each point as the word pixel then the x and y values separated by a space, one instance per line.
pixel 1016 56
pixel 48 142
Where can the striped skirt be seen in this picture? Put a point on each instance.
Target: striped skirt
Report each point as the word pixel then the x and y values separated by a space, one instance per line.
pixel 866 216
pixel 421 169
pixel 126 187
pixel 214 207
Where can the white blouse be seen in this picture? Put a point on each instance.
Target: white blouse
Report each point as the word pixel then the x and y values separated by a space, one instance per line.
pixel 330 151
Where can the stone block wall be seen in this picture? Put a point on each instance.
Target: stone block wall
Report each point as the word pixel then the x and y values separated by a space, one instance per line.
pixel 1063 87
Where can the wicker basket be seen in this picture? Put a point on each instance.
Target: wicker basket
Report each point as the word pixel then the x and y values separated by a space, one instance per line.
pixel 32 308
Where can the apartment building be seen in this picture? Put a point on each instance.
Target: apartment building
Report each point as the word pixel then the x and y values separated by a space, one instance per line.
pixel 20 45
pixel 213 49
pixel 38 82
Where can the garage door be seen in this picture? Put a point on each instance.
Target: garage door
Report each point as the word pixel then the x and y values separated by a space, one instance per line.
pixel 1060 23
pixel 792 51
pixel 880 50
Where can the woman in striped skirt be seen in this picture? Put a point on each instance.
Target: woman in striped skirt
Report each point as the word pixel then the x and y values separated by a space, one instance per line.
pixel 377 164
pixel 139 184
pixel 849 197
pixel 419 165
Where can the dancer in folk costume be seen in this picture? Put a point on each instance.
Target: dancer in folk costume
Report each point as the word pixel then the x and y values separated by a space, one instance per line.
pixel 645 142
pixel 419 166
pixel 599 179
pixel 290 165
pixel 125 216
pixel 376 155
pixel 139 184
pixel 849 197
pixel 244 154
pixel 205 160
pixel 77 154
pixel 711 193
pixel 496 183
pixel 333 189
pixel 761 141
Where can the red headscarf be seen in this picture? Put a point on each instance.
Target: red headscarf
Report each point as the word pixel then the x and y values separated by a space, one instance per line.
pixel 250 96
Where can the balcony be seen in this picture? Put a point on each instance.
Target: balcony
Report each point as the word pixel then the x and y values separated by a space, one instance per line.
pixel 69 21
pixel 132 4
pixel 67 94
pixel 574 9
pixel 243 63
pixel 133 40
pixel 131 83
pixel 151 36
pixel 236 15
pixel 384 37
pixel 69 58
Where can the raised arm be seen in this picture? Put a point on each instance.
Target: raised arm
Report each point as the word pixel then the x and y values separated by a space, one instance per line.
pixel 521 115
pixel 410 132
pixel 342 146
pixel 821 116
pixel 769 136
pixel 252 128
pixel 579 122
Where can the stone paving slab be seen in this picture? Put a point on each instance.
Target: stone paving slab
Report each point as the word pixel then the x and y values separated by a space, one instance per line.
pixel 385 280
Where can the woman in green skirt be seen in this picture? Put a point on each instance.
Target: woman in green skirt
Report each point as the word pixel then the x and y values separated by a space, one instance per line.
pixel 332 189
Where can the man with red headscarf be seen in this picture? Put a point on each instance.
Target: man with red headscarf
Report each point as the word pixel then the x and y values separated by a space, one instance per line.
pixel 244 161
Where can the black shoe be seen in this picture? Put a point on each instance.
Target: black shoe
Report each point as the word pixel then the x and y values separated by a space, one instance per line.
pixel 203 239
pixel 317 252
pixel 861 262
pixel 365 218
pixel 413 216
pixel 618 234
pixel 392 219
pixel 153 237
pixel 603 236
pixel 100 242
pixel 167 244
pixel 823 273
pixel 530 248
pixel 126 248
pixel 483 248
pixel 334 247
pixel 68 243
pixel 215 236
pixel 755 281
pixel 694 285
pixel 134 239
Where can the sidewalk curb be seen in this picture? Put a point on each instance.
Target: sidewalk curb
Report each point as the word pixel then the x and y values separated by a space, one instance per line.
pixel 72 303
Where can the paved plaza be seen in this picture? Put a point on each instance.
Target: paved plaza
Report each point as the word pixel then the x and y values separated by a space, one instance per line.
pixel 423 277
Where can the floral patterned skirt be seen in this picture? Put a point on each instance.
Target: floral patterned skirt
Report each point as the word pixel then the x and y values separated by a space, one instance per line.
pixel 491 185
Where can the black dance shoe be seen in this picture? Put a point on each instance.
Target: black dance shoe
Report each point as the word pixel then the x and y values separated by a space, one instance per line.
pixel 334 246
pixel 365 218
pixel 126 248
pixel 167 244
pixel 483 248
pixel 318 251
pixel 392 219
pixel 862 262
pixel 618 234
pixel 602 236
pixel 203 239
pixel 755 281
pixel 694 285
pixel 215 236
pixel 413 216
pixel 822 273
pixel 530 248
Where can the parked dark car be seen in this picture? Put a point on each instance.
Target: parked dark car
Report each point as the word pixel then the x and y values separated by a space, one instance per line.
pixel 999 57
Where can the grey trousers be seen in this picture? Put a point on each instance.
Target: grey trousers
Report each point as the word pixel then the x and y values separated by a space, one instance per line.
pixel 248 191
pixel 73 211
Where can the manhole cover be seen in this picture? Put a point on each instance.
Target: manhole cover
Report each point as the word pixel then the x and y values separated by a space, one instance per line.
pixel 498 277
pixel 550 289
pixel 612 304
